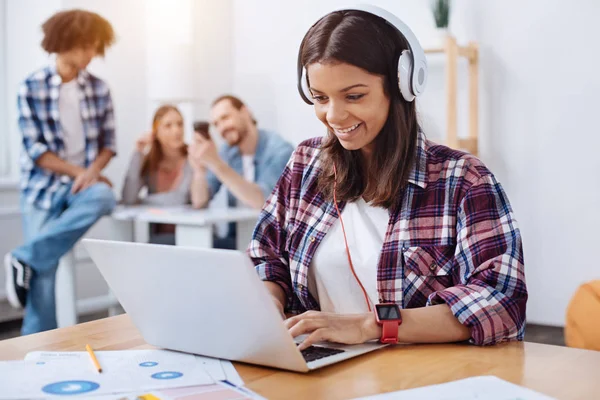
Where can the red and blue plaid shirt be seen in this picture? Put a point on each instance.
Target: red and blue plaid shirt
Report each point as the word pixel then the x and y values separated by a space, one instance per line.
pixel 453 239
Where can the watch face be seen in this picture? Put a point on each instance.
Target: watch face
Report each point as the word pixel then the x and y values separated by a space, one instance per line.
pixel 387 312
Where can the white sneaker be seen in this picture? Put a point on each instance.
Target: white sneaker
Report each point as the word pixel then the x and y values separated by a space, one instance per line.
pixel 18 276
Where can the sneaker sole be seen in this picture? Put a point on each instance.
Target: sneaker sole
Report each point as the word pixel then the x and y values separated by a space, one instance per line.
pixel 11 293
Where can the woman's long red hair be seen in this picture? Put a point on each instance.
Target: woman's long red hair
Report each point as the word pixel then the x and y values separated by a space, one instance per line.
pixel 155 155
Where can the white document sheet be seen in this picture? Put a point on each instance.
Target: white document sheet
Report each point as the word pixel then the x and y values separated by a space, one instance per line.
pixel 231 375
pixel 217 369
pixel 477 388
pixel 213 367
pixel 44 374
pixel 217 391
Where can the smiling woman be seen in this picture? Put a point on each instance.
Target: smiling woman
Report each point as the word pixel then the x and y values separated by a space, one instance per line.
pixel 356 113
pixel 374 232
pixel 355 90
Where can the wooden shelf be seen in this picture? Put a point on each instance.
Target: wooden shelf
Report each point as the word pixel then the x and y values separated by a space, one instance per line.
pixel 469 144
pixel 434 50
pixel 471 52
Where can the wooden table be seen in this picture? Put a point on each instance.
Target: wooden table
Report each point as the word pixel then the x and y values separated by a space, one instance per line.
pixel 560 372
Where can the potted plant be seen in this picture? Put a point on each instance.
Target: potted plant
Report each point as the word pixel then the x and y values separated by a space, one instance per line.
pixel 441 13
pixel 441 16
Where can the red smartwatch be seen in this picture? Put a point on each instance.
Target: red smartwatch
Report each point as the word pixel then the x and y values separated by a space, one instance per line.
pixel 388 316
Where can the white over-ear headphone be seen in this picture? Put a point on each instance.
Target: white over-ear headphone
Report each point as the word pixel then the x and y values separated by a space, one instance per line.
pixel 412 65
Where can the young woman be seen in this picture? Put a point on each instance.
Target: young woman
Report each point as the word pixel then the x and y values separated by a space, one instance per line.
pixel 160 165
pixel 376 217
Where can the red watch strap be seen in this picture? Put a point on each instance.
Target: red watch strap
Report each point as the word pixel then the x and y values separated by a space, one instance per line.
pixel 389 332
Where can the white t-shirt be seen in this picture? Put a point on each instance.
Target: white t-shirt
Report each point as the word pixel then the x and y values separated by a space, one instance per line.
pixel 71 124
pixel 249 172
pixel 248 167
pixel 330 279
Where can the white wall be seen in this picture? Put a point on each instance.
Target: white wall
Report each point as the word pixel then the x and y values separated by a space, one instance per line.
pixel 538 126
pixel 542 138
pixel 5 146
pixel 22 34
pixel 213 51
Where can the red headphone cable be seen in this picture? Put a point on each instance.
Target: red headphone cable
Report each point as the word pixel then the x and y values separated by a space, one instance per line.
pixel 346 240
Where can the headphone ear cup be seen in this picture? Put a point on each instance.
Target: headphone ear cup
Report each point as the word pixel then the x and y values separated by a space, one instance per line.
pixel 305 91
pixel 405 67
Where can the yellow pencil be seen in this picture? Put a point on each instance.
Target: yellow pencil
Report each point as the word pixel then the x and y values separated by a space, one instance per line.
pixel 93 357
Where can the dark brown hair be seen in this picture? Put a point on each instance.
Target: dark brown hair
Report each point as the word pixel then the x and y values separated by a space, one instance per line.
pixel 235 102
pixel 155 155
pixel 67 30
pixel 368 42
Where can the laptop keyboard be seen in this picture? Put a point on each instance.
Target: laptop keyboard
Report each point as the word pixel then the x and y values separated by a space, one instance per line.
pixel 313 353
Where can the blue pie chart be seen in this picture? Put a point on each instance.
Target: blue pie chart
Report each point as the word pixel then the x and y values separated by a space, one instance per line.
pixel 149 364
pixel 70 387
pixel 167 375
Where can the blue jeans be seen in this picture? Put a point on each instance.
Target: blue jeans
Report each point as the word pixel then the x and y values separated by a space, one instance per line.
pixel 50 234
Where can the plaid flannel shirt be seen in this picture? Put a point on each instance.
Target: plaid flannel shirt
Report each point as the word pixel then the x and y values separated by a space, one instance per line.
pixel 451 239
pixel 39 122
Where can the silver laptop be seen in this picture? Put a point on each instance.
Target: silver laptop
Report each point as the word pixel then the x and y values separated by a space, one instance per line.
pixel 206 301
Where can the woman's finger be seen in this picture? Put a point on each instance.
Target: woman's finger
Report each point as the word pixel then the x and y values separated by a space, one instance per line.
pixel 297 318
pixel 319 335
pixel 290 322
pixel 307 326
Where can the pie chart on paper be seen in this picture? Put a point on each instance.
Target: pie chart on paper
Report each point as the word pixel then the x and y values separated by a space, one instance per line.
pixel 167 375
pixel 149 364
pixel 66 388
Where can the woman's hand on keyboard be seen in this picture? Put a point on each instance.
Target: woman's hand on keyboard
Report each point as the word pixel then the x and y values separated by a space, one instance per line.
pixel 321 326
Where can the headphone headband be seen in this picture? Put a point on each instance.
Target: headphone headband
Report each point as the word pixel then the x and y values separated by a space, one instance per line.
pixel 412 65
